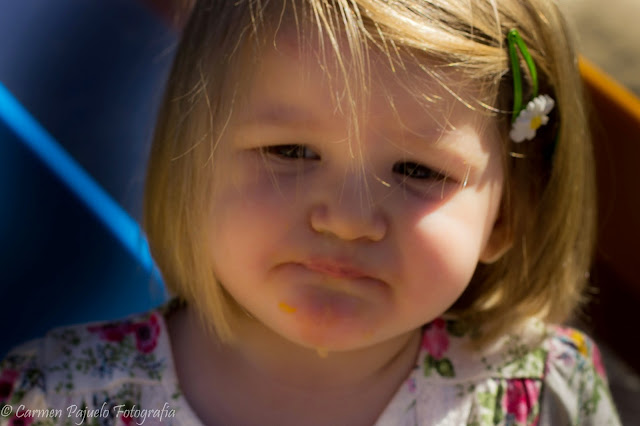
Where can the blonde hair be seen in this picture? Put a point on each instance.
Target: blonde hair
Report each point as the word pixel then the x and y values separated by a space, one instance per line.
pixel 549 202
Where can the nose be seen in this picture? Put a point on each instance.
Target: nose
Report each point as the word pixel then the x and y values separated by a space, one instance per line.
pixel 347 212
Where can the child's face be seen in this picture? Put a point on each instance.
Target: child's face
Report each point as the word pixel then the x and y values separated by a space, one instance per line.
pixel 338 243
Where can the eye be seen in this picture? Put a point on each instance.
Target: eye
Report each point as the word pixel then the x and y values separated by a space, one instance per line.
pixel 416 171
pixel 291 152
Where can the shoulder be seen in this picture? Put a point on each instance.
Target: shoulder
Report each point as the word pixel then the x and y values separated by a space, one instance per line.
pixel 94 365
pixel 575 379
pixel 543 374
pixel 82 356
pixel 569 347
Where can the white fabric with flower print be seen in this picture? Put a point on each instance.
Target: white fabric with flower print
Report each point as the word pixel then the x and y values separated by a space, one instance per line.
pixel 531 118
pixel 543 376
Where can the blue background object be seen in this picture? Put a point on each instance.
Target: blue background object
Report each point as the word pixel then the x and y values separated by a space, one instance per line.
pixel 92 72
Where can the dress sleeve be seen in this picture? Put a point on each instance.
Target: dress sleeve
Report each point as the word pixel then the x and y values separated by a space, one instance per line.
pixel 22 387
pixel 575 389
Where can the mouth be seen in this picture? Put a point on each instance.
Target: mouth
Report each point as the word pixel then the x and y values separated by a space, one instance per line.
pixel 340 274
pixel 335 268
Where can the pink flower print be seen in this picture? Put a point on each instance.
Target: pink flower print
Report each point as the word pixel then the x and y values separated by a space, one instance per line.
pixel 127 419
pixel 596 358
pixel 435 338
pixel 520 399
pixel 7 381
pixel 147 333
pixel 23 420
pixel 126 416
pixel 113 331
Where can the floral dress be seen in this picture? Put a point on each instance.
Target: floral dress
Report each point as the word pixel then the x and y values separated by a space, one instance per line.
pixel 122 373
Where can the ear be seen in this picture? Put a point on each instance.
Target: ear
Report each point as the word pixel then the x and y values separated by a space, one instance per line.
pixel 499 242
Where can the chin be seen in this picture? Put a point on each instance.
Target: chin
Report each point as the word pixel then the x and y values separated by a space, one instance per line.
pixel 337 338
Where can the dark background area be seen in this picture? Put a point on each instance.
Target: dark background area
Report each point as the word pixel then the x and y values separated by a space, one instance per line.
pixel 92 73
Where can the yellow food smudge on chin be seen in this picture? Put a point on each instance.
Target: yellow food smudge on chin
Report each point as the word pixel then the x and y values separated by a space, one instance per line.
pixel 284 307
pixel 322 352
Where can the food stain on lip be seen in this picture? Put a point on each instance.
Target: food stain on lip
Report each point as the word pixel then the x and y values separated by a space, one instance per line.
pixel 286 308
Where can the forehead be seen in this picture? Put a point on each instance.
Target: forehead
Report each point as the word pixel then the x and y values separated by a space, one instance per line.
pixel 307 81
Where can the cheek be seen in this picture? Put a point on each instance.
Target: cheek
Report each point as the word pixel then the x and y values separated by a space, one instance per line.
pixel 444 246
pixel 445 253
pixel 246 222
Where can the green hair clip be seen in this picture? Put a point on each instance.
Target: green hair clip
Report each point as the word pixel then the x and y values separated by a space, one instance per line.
pixel 526 120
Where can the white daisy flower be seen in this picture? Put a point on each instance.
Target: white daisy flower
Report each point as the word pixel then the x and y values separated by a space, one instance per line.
pixel 531 118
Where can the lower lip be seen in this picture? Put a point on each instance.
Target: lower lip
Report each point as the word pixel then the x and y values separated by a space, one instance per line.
pixel 334 271
pixel 342 282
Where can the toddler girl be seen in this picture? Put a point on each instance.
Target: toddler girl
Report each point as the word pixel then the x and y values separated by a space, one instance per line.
pixel 369 212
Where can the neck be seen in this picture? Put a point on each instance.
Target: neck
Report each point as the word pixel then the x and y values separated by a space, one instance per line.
pixel 282 361
pixel 276 374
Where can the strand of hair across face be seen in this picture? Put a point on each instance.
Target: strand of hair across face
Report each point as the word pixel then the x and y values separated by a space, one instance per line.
pixel 99 202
